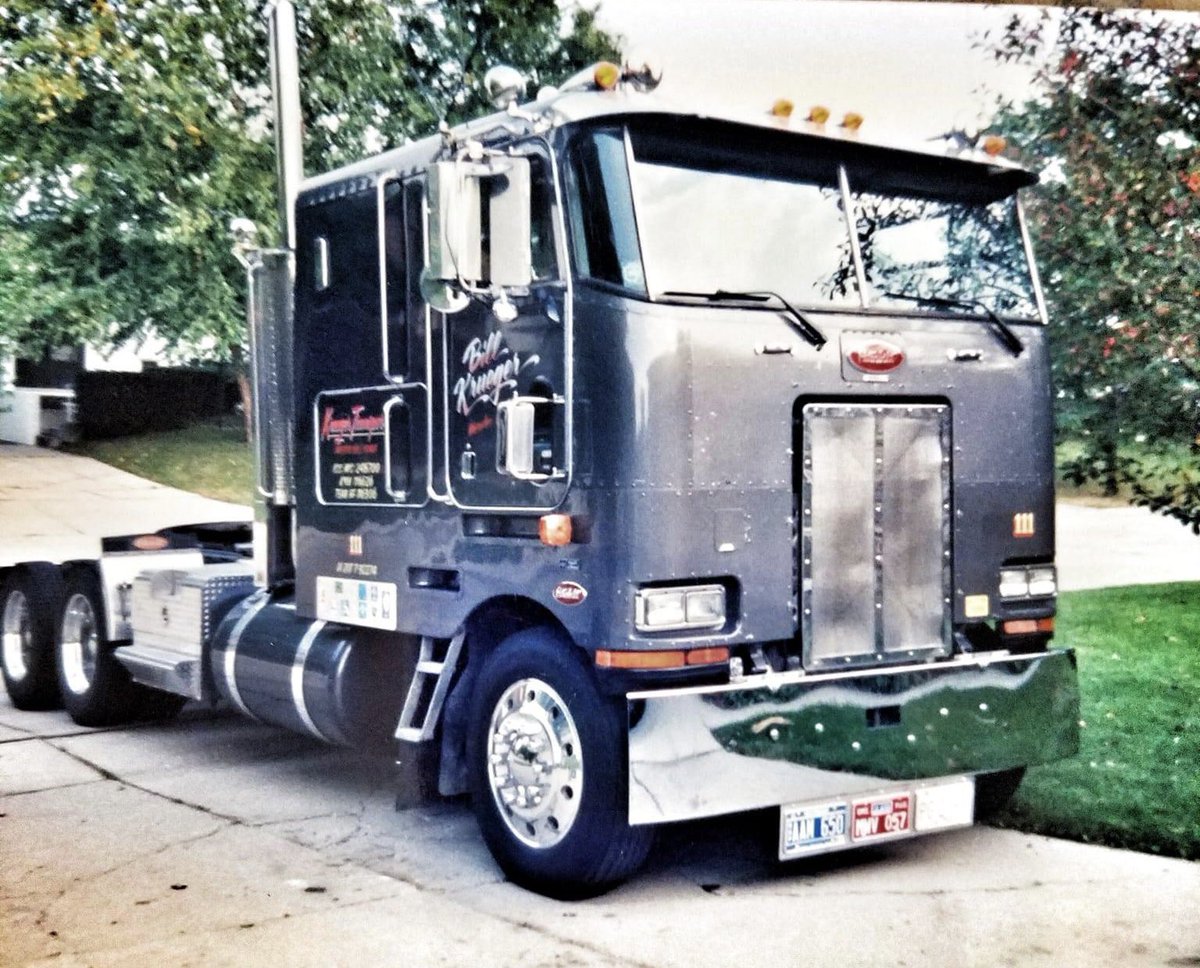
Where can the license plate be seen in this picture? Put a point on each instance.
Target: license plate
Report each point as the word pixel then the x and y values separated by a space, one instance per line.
pixel 807 828
pixel 877 818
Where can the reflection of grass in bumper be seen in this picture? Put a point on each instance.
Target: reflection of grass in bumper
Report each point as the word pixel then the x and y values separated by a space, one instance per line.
pixel 958 728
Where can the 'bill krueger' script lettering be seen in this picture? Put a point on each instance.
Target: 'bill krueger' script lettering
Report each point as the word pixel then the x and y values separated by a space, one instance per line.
pixel 492 368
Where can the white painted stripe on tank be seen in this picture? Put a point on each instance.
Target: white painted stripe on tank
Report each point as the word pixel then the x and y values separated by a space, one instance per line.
pixel 230 657
pixel 302 651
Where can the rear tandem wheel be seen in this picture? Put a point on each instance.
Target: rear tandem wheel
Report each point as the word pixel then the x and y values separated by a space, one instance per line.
pixel 30 599
pixel 96 688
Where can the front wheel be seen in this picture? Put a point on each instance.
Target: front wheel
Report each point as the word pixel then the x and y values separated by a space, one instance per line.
pixel 548 770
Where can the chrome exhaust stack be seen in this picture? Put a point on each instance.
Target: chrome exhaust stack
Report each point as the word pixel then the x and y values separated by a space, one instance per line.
pixel 270 316
pixel 285 90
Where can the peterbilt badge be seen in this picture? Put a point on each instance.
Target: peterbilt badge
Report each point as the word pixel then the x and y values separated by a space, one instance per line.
pixel 569 593
pixel 876 356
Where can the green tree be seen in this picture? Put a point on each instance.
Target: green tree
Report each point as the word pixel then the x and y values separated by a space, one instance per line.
pixel 132 131
pixel 1113 129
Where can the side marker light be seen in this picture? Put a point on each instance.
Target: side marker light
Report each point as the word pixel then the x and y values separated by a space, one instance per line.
pixel 555 530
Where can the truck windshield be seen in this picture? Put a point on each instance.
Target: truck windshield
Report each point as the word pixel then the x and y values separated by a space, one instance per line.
pixel 672 212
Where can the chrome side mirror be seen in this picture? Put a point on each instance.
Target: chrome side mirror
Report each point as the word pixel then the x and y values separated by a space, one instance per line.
pixel 458 192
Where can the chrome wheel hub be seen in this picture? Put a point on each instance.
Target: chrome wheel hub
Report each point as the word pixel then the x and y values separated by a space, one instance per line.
pixel 535 768
pixel 17 643
pixel 80 644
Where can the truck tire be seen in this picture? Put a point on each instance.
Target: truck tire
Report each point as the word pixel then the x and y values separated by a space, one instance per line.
pixel 30 598
pixel 96 688
pixel 547 760
pixel 994 790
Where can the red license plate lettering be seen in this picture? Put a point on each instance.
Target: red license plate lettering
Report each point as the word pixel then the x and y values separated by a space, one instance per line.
pixel 880 817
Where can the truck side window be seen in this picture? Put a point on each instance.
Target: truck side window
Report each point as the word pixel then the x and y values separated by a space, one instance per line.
pixel 603 230
pixel 545 260
pixel 396 267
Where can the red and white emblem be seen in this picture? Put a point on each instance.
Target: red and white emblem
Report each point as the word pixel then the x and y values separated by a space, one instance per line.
pixel 876 356
pixel 569 593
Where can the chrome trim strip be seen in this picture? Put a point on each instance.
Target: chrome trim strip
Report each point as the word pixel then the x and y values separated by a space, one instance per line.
pixel 381 184
pixel 860 272
pixel 634 195
pixel 229 660
pixel 297 679
pixel 430 350
pixel 1027 242
pixel 777 680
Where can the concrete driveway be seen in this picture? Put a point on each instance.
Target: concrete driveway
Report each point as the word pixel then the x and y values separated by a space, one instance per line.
pixel 218 841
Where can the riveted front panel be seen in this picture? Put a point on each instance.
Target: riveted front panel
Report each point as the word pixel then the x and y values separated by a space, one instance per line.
pixel 876 533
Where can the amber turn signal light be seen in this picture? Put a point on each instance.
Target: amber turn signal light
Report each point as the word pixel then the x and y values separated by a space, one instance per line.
pixel 666 659
pixel 555 530
pixel 1027 626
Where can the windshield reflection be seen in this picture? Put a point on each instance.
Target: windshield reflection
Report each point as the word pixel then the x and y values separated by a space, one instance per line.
pixel 703 215
pixel 916 249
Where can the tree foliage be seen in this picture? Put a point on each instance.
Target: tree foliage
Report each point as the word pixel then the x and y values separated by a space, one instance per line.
pixel 1113 129
pixel 132 131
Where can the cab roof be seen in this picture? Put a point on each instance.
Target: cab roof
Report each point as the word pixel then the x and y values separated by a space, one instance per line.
pixel 911 166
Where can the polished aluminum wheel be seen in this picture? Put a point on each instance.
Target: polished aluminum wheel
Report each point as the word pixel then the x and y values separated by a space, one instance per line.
pixel 535 767
pixel 17 642
pixel 80 644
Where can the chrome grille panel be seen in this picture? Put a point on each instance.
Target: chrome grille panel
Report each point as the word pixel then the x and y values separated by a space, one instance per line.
pixel 875 563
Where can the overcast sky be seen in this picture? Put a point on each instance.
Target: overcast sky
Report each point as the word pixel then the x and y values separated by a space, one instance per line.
pixel 909 68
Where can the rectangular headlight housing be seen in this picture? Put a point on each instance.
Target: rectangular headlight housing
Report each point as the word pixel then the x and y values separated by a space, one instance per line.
pixel 1043 582
pixel 1034 581
pixel 679 608
pixel 1014 583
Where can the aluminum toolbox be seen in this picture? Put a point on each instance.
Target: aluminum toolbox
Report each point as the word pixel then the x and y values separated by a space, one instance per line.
pixel 174 615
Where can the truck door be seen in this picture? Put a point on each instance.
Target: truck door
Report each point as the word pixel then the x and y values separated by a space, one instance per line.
pixel 491 353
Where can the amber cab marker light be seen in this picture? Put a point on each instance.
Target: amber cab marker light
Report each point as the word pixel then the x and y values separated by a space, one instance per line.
pixel 852 121
pixel 555 529
pixel 993 144
pixel 782 108
pixel 818 114
pixel 606 75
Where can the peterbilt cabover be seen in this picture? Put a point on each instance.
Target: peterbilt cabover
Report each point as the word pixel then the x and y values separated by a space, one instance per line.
pixel 641 465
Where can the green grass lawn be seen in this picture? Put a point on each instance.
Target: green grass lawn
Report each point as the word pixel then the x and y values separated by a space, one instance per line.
pixel 210 458
pixel 1136 781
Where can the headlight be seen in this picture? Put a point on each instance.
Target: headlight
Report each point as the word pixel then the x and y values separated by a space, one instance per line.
pixel 1037 581
pixel 1043 582
pixel 669 609
pixel 1014 583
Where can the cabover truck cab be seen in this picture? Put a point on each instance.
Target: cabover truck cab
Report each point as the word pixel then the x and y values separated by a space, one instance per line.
pixel 647 466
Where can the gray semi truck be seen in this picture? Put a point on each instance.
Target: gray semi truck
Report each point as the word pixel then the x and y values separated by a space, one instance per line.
pixel 636 465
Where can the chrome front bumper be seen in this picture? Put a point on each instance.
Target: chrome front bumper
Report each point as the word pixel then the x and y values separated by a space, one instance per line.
pixel 788 737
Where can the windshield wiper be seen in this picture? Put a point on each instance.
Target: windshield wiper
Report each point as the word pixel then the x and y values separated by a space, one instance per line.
pixel 802 326
pixel 1004 332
